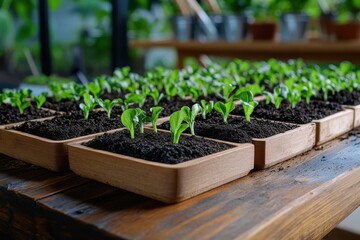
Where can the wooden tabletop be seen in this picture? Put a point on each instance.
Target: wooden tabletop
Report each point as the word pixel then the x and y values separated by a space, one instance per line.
pixel 324 51
pixel 303 198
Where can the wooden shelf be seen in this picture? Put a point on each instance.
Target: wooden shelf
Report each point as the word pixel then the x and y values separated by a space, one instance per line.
pixel 303 198
pixel 320 51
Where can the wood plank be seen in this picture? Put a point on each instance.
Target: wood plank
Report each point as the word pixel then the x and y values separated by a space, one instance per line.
pixel 271 203
pixel 325 51
pixel 237 208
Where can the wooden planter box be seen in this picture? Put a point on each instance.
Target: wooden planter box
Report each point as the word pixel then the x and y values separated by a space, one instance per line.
pixel 164 182
pixel 275 149
pixel 356 110
pixel 39 151
pixel 333 126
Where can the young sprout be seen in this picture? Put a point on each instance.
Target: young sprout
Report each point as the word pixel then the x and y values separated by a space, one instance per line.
pixel 177 127
pixel 155 112
pixel 294 98
pixel 40 100
pixel 3 97
pixel 190 115
pixel 24 94
pixel 20 103
pixel 226 92
pixel 307 91
pixel 247 102
pixel 206 108
pixel 280 93
pixel 94 89
pixel 107 105
pixel 128 119
pixel 137 98
pixel 171 91
pixel 88 105
pixel 156 96
pixel 140 118
pixel 224 109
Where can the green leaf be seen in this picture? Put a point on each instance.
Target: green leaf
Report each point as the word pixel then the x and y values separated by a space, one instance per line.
pixel 176 126
pixel 224 109
pixel 155 112
pixel 128 120
pixel 141 118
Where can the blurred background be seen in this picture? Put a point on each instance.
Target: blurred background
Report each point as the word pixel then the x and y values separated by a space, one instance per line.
pixel 80 31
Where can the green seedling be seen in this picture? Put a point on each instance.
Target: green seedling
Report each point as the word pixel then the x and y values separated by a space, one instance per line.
pixel 248 104
pixel 88 105
pixel 40 100
pixel 190 115
pixel 20 103
pixel 177 127
pixel 276 98
pixel 206 108
pixel 156 96
pixel 107 105
pixel 140 118
pixel 155 113
pixel 94 89
pixel 224 109
pixel 128 119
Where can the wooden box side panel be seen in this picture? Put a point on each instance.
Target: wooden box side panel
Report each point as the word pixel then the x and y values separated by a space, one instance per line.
pixel 33 150
pixel 356 110
pixel 334 126
pixel 284 146
pixel 215 171
pixel 148 180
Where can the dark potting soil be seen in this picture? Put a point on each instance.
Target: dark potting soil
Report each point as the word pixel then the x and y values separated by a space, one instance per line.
pixel 63 105
pixel 71 125
pixel 301 114
pixel 344 97
pixel 169 106
pixel 113 95
pixel 237 129
pixel 157 147
pixel 9 114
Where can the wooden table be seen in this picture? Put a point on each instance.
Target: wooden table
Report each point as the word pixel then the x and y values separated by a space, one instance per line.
pixel 303 198
pixel 319 51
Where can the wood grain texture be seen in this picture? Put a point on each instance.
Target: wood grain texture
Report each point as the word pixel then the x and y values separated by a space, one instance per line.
pixel 334 125
pixel 164 182
pixel 303 198
pixel 356 110
pixel 321 51
pixel 272 150
pixel 46 153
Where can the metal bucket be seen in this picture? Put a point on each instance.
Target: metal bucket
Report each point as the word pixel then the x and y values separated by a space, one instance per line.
pixel 293 27
pixel 235 27
pixel 183 27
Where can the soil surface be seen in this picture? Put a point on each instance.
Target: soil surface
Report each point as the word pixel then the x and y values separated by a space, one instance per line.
pixel 169 106
pixel 237 129
pixel 63 105
pixel 157 147
pixel 72 125
pixel 301 114
pixel 344 97
pixel 9 114
pixel 113 95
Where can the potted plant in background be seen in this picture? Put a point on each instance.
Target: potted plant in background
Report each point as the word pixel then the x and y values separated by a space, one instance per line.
pixel 236 19
pixel 348 25
pixel 327 19
pixel 264 26
pixel 293 20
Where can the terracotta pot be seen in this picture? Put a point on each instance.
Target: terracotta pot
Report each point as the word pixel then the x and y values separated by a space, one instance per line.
pixel 327 22
pixel 347 31
pixel 263 31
